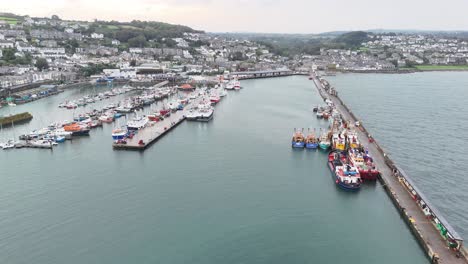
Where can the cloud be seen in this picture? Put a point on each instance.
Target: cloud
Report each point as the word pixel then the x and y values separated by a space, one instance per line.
pixel 290 16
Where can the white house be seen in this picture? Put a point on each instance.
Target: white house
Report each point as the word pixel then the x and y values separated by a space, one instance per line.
pixel 135 50
pixel 97 36
pixel 69 30
pixel 115 42
pixel 24 47
pixel 6 44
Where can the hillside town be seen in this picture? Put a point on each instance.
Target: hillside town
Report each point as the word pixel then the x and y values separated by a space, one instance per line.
pixel 36 51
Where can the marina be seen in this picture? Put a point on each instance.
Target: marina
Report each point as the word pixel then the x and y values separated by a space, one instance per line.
pixel 440 241
pixel 217 184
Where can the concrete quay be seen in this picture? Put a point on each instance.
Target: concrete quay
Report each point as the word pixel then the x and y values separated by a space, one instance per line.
pixel 423 219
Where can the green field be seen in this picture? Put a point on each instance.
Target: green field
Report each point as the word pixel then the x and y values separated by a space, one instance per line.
pixel 441 67
pixel 9 20
pixel 130 27
pixel 112 27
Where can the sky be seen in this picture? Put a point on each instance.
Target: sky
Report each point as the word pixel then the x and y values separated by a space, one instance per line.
pixel 266 16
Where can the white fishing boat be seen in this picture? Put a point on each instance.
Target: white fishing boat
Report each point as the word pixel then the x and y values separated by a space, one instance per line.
pixel 192 115
pixel 222 92
pixel 137 123
pixel 41 143
pixel 205 112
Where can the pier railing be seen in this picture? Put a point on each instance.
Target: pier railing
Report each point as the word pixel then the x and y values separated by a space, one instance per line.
pixel 453 239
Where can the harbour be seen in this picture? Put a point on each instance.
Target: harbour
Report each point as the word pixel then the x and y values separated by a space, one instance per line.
pixel 273 200
pixel 438 238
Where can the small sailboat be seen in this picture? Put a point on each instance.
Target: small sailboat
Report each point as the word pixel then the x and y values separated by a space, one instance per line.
pixel 298 140
pixel 8 145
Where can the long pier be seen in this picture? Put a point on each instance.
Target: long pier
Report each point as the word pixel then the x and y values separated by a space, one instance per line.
pixel 440 241
pixel 245 75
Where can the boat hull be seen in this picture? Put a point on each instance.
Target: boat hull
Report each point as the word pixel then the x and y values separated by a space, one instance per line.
pixel 118 137
pixel 205 118
pixel 298 144
pixel 84 132
pixel 369 175
pixel 311 145
pixel 324 146
pixel 340 184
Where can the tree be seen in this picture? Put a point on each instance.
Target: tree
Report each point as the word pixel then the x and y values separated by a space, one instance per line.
pixel 42 64
pixel 139 41
pixel 23 60
pixel 9 54
pixel 55 17
pixel 170 43
pixel 133 63
pixel 237 56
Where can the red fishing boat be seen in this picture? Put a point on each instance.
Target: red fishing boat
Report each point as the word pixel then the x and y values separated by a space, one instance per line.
pixel 364 163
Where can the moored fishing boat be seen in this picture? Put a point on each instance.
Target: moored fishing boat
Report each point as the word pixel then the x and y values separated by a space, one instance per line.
pixel 237 85
pixel 324 142
pixel 364 163
pixel 41 144
pixel 156 117
pixel 205 112
pixel 192 115
pixel 214 98
pixel 106 118
pixel 298 140
pixel 222 93
pixel 319 113
pixel 230 85
pixel 346 176
pixel 352 140
pixel 137 123
pixel 339 141
pixel 165 112
pixel 118 134
pixel 76 129
pixel 311 141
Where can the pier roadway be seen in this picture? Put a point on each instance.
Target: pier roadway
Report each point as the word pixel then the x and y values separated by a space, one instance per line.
pixel 424 230
pixel 150 134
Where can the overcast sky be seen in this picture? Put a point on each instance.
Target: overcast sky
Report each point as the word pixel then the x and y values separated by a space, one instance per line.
pixel 280 16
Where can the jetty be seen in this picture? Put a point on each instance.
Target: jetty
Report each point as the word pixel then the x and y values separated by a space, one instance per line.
pixel 20 118
pixel 148 135
pixel 260 74
pixel 436 236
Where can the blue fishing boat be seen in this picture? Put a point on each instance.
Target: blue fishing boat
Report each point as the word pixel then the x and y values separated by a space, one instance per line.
pixel 346 176
pixel 311 141
pixel 118 134
pixel 298 140
pixel 118 115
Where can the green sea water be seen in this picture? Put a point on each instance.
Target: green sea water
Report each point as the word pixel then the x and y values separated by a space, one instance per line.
pixel 228 191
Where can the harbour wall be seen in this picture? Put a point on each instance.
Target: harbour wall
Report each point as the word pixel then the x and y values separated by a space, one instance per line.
pixel 433 215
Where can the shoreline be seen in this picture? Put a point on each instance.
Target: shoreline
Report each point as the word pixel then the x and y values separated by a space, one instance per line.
pixel 401 71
